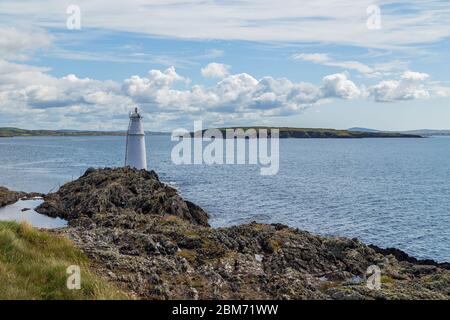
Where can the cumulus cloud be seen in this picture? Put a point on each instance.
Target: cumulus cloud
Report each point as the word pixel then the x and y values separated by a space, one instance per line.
pixel 215 70
pixel 167 96
pixel 148 88
pixel 241 93
pixel 410 86
pixel 441 91
pixel 162 93
pixel 337 85
pixel 30 90
pixel 415 76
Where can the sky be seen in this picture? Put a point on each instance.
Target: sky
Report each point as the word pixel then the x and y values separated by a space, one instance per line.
pixel 323 63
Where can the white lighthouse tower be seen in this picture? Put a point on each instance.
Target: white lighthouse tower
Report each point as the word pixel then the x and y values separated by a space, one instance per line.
pixel 135 155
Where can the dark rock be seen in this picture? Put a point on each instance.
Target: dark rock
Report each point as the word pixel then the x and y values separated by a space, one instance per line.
pixel 8 197
pixel 403 256
pixel 142 235
pixel 423 269
pixel 111 191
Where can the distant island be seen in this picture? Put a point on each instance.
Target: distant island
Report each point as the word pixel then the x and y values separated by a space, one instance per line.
pixel 428 132
pixel 420 132
pixel 305 133
pixel 285 132
pixel 16 132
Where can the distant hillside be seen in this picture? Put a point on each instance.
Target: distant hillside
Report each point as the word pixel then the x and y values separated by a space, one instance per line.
pixel 362 129
pixel 428 132
pixel 15 132
pixel 286 132
pixel 421 132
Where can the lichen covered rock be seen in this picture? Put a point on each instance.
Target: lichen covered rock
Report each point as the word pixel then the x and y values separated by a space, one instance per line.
pixel 106 192
pixel 142 235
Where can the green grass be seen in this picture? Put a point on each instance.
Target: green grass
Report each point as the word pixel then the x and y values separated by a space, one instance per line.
pixel 33 265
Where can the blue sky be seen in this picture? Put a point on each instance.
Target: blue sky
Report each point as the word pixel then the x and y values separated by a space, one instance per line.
pixel 280 63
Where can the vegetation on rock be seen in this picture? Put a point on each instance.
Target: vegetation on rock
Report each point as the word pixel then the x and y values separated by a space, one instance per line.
pixel 146 238
pixel 108 192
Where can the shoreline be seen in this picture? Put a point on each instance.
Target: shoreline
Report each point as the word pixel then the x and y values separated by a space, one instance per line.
pixel 9 197
pixel 150 241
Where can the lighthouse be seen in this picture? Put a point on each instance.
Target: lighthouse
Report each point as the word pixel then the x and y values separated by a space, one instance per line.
pixel 135 156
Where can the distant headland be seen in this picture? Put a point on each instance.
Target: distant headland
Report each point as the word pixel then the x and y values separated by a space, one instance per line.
pixel 16 132
pixel 285 132
pixel 317 133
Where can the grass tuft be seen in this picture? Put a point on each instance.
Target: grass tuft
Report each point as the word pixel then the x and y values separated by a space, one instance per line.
pixel 33 265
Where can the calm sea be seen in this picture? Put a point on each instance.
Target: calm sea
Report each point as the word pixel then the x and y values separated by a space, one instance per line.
pixel 389 192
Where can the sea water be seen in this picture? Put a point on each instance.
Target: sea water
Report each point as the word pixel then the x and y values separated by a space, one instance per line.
pixel 389 192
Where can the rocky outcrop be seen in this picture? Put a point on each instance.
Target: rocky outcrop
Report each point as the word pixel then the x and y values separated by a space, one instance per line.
pixel 106 192
pixel 8 197
pixel 403 256
pixel 142 235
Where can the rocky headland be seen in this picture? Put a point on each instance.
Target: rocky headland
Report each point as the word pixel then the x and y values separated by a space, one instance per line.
pixel 140 234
